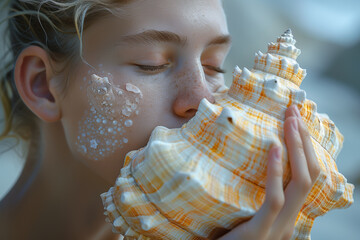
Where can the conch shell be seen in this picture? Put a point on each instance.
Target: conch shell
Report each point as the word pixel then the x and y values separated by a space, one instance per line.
pixel 210 174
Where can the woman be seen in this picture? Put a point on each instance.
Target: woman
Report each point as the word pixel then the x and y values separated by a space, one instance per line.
pixel 161 57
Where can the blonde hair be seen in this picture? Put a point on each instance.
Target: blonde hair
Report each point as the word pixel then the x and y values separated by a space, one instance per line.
pixel 56 26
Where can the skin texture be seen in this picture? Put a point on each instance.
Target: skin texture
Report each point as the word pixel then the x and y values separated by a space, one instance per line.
pixel 181 68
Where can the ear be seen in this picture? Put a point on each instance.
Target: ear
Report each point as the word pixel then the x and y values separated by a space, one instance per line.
pixel 33 75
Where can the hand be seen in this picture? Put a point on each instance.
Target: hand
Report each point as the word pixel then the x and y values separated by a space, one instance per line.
pixel 276 218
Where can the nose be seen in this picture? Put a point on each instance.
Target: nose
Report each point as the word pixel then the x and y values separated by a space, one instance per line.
pixel 192 88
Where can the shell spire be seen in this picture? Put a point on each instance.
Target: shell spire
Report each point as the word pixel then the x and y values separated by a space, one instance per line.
pixel 288 32
pixel 287 37
pixel 280 59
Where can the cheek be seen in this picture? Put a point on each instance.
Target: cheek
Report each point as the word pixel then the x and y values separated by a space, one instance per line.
pixel 103 127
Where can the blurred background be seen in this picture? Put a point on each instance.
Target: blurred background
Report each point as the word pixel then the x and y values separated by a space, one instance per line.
pixel 328 34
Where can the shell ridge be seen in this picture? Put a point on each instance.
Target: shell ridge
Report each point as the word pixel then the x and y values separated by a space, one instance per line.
pixel 190 230
pixel 186 183
pixel 140 231
pixel 171 221
pixel 207 190
pixel 240 133
pixel 277 97
pixel 261 108
pixel 128 177
pixel 299 95
pixel 107 199
pixel 329 138
pixel 273 65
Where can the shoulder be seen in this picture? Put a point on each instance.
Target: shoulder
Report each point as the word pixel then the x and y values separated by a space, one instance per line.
pixel 15 196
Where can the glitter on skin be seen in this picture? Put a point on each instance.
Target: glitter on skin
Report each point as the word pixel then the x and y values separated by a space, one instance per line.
pixel 128 123
pixel 110 107
pixel 93 144
pixel 132 88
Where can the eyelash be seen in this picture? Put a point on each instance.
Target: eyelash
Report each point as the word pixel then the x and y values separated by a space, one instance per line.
pixel 151 68
pixel 216 69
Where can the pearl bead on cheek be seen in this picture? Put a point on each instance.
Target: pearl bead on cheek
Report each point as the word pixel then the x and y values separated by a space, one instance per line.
pixel 102 128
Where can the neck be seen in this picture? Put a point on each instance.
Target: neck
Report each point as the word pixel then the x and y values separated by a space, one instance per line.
pixel 64 199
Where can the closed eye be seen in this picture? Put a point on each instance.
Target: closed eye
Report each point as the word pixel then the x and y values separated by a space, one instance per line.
pixel 152 68
pixel 216 69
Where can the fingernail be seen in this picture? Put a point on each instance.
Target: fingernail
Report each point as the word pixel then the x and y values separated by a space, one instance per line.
pixel 297 112
pixel 294 124
pixel 277 153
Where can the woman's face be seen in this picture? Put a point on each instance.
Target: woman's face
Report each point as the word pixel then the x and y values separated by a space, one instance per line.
pixel 152 65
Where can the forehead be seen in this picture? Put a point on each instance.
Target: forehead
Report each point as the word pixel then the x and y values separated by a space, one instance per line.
pixel 192 19
pixel 177 14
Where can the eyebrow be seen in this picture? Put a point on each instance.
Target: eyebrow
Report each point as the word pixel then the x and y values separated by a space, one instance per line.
pixel 155 36
pixel 221 40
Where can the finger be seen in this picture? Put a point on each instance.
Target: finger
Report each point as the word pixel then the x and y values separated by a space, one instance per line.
pixel 300 184
pixel 296 154
pixel 292 111
pixel 311 159
pixel 260 225
pixel 274 197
